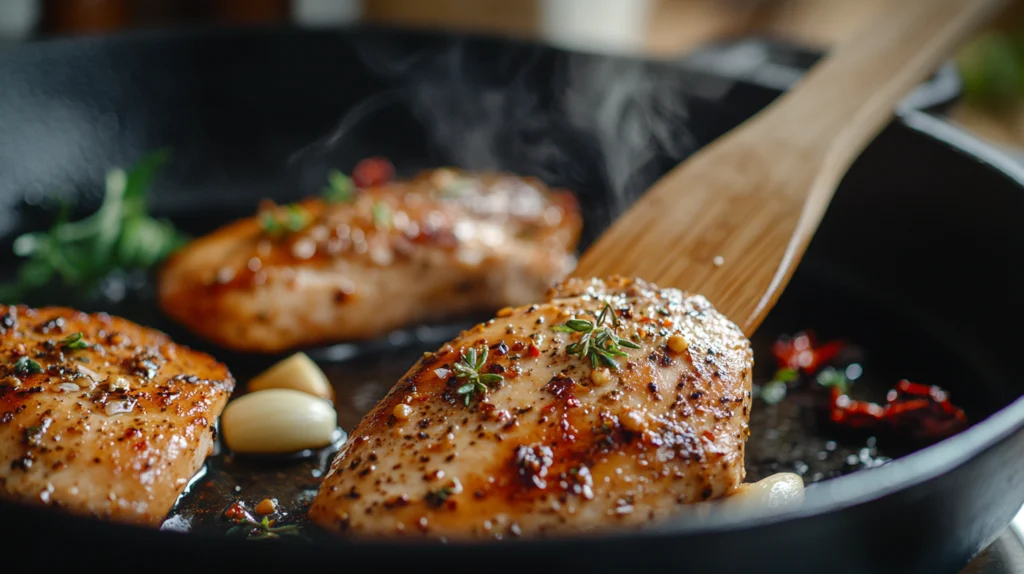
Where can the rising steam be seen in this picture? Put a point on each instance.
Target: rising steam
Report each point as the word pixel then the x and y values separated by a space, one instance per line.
pixel 605 127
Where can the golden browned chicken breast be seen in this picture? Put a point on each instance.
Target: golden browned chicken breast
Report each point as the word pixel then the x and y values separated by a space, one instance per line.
pixel 101 416
pixel 441 244
pixel 611 404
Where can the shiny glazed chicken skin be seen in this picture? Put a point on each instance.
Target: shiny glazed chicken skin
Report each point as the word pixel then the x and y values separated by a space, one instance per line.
pixel 100 416
pixel 439 245
pixel 540 434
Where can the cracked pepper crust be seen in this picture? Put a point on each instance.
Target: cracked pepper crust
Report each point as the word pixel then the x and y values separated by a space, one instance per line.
pixel 556 446
pixel 112 425
pixel 438 245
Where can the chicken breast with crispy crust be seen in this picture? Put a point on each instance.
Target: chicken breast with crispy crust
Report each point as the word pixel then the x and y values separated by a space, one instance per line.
pixel 101 416
pixel 611 404
pixel 439 245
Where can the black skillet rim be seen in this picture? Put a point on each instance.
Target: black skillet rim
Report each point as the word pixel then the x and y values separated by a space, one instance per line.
pixel 834 495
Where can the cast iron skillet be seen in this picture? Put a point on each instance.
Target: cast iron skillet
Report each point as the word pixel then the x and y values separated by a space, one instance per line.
pixel 916 261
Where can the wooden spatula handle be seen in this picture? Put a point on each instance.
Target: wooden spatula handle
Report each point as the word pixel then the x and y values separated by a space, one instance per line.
pixel 846 98
pixel 732 221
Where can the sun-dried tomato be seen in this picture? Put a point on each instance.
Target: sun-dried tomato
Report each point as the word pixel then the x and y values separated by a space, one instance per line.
pixel 920 411
pixel 923 412
pixel 855 414
pixel 803 353
pixel 372 171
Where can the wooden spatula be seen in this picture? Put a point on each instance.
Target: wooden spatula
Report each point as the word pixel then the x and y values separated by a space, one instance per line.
pixel 733 221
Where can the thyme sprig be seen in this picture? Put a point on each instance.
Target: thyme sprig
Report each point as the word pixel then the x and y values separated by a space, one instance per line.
pixel 263 530
pixel 26 366
pixel 438 497
pixel 73 342
pixel 599 343
pixel 340 188
pixel 468 371
pixel 295 219
pixel 120 235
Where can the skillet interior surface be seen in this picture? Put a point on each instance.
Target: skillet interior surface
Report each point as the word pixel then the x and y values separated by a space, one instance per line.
pixel 904 265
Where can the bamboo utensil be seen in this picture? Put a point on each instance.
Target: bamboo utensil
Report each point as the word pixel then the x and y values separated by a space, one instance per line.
pixel 733 221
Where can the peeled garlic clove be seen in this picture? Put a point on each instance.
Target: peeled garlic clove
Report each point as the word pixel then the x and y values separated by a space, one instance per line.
pixel 277 421
pixel 781 489
pixel 297 372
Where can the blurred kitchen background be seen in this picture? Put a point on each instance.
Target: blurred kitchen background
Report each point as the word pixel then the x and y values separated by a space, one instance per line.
pixel 992 65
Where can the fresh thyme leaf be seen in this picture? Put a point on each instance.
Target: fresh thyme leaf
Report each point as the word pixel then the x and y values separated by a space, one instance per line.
pixel 785 375
pixel 295 219
pixel 598 344
pixel 26 366
pixel 119 235
pixel 268 223
pixel 438 497
pixel 74 341
pixel 832 378
pixel 381 215
pixel 491 379
pixel 340 188
pixel 263 530
pixel 468 370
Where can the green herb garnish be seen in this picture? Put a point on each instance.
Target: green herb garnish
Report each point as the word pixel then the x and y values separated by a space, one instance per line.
pixel 468 370
pixel 831 378
pixel 74 341
pixel 263 530
pixel 269 223
pixel 120 235
pixel 438 497
pixel 598 343
pixel 381 214
pixel 295 219
pixel 26 366
pixel 785 375
pixel 340 188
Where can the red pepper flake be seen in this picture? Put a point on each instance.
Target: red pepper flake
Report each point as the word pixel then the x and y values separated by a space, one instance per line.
pixel 921 411
pixel 237 512
pixel 372 172
pixel 534 351
pixel 709 435
pixel 856 414
pixel 802 352
pixel 924 412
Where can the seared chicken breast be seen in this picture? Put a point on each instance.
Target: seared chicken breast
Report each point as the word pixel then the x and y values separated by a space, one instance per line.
pixel 612 404
pixel 441 244
pixel 101 416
